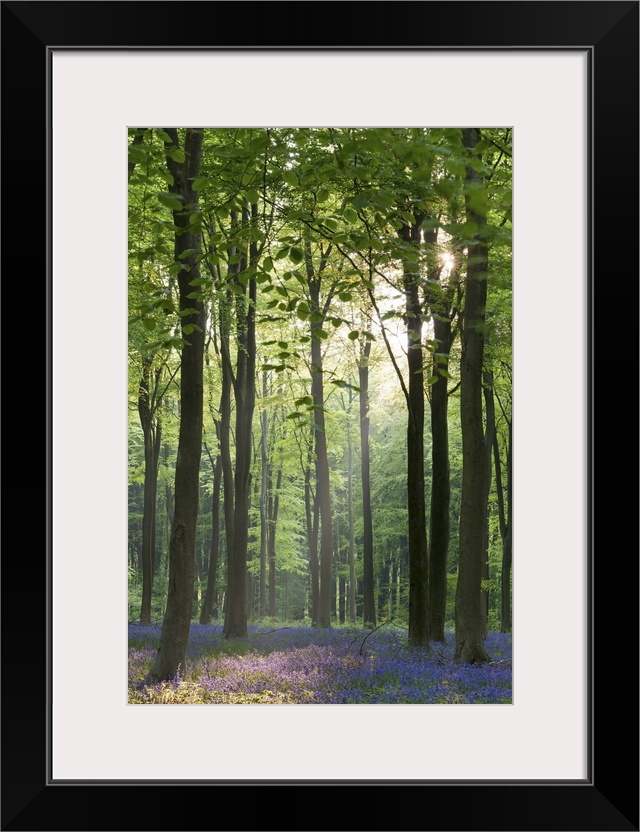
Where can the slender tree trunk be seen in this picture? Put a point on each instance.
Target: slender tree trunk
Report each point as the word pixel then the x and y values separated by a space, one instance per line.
pixel 417 532
pixel 352 542
pixel 208 606
pixel 263 500
pixel 505 534
pixel 470 647
pixel 322 461
pixel 489 441
pixel 171 656
pixel 369 606
pixel 244 388
pixel 273 521
pixel 152 433
pixel 225 427
pixel 312 511
pixel 441 482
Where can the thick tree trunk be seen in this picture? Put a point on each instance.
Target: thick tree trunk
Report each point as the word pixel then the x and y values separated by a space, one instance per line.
pixel 417 532
pixel 369 605
pixel 469 632
pixel 171 656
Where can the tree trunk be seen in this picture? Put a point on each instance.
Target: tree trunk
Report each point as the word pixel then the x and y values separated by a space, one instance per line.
pixel 152 432
pixel 352 544
pixel 368 588
pixel 171 654
pixel 417 532
pixel 440 482
pixel 274 504
pixel 208 606
pixel 489 440
pixel 244 389
pixel 470 647
pixel 312 513
pixel 506 535
pixel 322 461
pixel 263 500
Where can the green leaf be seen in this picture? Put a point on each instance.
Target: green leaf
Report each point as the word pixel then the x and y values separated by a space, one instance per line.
pixel 322 195
pixel 188 252
pixel 177 155
pixel 137 153
pixel 432 379
pixel 353 336
pixel 290 177
pixel 282 253
pixel 175 269
pixel 168 178
pixel 170 201
pixel 164 136
pixel 267 264
pixel 252 196
pixel 199 183
pixel 344 385
pixel 302 311
pixel 295 255
pixel 305 400
pixel 345 296
pixel 149 323
pixel 350 215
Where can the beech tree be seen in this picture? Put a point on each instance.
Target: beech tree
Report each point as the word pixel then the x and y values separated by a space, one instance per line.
pixel 183 165
pixel 469 629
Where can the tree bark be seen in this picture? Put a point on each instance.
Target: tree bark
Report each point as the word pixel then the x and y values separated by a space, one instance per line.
pixel 263 500
pixel 489 441
pixel 323 491
pixel 352 543
pixel 312 511
pixel 274 503
pixel 440 523
pixel 504 515
pixel 148 404
pixel 470 647
pixel 368 588
pixel 171 656
pixel 209 603
pixel 244 388
pixel 417 531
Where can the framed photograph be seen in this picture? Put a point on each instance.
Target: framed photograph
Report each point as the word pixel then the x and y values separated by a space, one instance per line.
pixel 564 77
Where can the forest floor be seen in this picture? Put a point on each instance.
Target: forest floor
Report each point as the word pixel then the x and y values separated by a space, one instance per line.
pixel 303 665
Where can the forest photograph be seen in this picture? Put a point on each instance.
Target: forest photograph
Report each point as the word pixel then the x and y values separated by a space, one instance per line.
pixel 320 384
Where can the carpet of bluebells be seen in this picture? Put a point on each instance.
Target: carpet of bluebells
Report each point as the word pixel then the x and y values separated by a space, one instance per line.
pixel 304 665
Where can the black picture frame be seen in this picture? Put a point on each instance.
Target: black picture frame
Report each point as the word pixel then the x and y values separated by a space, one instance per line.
pixel 608 799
